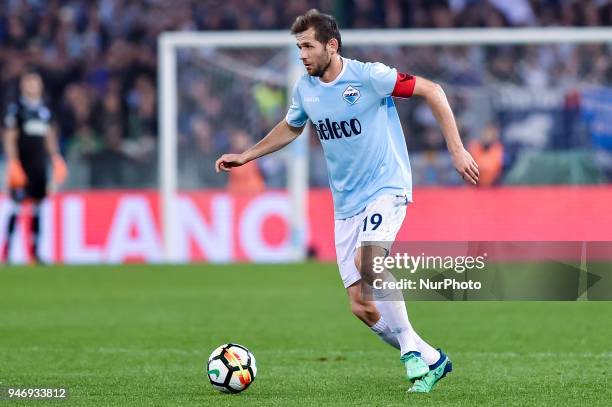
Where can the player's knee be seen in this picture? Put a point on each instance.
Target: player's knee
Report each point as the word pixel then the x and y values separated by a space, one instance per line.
pixel 365 268
pixel 364 261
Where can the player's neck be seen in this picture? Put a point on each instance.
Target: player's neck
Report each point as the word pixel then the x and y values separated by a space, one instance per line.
pixel 333 70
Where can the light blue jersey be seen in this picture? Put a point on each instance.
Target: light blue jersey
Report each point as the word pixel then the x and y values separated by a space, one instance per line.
pixel 358 126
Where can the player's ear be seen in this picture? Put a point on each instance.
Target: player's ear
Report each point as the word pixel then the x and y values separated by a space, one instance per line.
pixel 332 45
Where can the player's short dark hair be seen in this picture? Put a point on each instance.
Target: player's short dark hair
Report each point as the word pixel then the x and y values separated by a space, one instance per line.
pixel 31 70
pixel 325 26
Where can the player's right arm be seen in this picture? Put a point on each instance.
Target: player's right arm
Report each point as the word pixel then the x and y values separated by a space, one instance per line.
pixel 10 143
pixel 16 176
pixel 10 133
pixel 281 135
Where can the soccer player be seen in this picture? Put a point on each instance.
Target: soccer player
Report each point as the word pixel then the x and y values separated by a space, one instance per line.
pixel 350 104
pixel 29 140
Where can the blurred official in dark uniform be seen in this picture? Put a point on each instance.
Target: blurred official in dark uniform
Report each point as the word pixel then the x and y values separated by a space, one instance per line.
pixel 29 144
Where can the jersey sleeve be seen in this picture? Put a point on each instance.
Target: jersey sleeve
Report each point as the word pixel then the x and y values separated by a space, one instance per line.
pixel 296 115
pixel 10 116
pixel 46 114
pixel 382 78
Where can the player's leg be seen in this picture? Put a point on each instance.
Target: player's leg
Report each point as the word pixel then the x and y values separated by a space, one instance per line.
pixel 385 217
pixel 381 222
pixel 360 307
pixel 390 304
pixel 36 191
pixel 14 211
pixel 347 238
pixel 346 233
pixel 35 231
pixel 367 312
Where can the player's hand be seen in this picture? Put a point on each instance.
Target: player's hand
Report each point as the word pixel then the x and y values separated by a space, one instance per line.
pixel 466 166
pixel 16 176
pixel 227 161
pixel 60 171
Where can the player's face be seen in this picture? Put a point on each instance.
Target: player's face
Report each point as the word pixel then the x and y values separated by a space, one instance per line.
pixel 31 86
pixel 315 56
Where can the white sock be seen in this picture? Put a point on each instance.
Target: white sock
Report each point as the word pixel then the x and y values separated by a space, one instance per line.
pixel 390 304
pixel 428 353
pixel 381 329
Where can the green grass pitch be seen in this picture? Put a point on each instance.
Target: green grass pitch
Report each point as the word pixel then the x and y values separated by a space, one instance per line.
pixel 140 335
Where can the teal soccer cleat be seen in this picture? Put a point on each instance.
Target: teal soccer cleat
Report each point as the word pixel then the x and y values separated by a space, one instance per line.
pixel 437 371
pixel 416 367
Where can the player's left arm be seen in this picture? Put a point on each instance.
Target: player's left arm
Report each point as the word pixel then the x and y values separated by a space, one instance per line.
pixel 408 85
pixel 60 171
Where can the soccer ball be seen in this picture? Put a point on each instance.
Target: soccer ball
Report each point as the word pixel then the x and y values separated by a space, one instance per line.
pixel 231 368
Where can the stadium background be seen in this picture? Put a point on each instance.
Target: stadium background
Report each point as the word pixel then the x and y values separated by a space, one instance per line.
pixel 140 334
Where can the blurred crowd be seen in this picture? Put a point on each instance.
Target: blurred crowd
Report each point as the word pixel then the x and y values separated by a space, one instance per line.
pixel 99 64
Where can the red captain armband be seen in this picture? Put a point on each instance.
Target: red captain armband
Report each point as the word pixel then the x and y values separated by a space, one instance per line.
pixel 404 85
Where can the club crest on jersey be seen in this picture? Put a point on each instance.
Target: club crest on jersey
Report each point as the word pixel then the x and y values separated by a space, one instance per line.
pixel 351 95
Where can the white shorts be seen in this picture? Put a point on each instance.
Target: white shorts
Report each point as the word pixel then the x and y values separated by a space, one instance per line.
pixel 378 222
